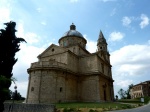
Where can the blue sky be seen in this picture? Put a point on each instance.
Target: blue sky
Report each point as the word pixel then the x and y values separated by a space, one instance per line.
pixel 124 23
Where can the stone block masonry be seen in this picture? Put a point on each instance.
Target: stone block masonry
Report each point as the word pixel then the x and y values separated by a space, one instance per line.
pixel 9 107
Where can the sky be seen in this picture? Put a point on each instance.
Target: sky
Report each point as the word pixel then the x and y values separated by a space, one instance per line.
pixel 124 23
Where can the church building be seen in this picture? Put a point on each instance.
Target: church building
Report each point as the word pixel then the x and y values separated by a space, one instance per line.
pixel 68 72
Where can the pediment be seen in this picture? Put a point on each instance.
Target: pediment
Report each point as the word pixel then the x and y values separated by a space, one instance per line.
pixel 52 50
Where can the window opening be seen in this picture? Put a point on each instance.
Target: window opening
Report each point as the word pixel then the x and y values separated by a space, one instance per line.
pixel 60 89
pixel 32 88
pixel 53 50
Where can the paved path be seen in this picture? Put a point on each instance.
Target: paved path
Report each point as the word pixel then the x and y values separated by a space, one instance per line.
pixel 145 108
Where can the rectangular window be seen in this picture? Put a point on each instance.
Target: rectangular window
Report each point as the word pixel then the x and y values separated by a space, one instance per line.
pixel 60 89
pixel 102 67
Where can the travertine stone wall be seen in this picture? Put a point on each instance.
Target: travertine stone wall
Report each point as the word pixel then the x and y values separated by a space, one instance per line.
pixel 70 41
pixel 57 57
pixel 54 86
pixel 9 107
pixel 78 50
pixel 71 88
pixel 73 62
pixel 108 87
pixel 104 67
pixel 48 85
pixel 52 51
pixel 88 64
pixel 34 87
pixel 90 89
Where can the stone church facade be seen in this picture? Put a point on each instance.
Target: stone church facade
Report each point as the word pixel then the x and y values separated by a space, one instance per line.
pixel 70 73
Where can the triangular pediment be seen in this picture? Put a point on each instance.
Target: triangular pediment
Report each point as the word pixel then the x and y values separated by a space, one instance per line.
pixel 52 50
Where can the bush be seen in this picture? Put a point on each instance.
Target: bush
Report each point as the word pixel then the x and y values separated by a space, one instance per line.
pixel 71 110
pixel 91 110
pixel 146 99
pixel 123 107
pixel 129 106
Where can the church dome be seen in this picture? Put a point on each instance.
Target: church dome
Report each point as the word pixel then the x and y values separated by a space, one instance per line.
pixel 72 37
pixel 72 32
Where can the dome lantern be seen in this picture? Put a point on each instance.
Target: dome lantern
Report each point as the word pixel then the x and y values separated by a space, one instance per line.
pixel 72 27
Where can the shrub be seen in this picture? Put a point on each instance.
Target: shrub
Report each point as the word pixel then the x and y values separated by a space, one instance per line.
pixel 71 110
pixel 129 106
pixel 91 110
pixel 146 99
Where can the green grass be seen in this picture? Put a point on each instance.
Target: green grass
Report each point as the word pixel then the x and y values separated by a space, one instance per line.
pixel 137 100
pixel 90 105
pixel 130 101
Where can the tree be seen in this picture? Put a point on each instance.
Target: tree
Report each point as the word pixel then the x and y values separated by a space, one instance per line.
pixel 122 93
pixel 17 96
pixel 128 91
pixel 9 45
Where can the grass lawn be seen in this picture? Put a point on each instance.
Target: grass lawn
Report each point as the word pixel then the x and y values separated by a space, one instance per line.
pixel 90 105
pixel 130 101
pixel 137 100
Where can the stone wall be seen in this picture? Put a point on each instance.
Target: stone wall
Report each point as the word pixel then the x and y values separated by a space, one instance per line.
pixel 34 87
pixel 70 41
pixel 89 89
pixel 9 107
pixel 88 64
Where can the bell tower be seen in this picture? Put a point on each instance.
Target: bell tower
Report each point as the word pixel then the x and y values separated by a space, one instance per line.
pixel 101 42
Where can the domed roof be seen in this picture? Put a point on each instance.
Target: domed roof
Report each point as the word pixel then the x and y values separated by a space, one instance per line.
pixel 72 32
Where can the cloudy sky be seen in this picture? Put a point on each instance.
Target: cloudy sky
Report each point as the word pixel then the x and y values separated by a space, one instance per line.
pixel 124 23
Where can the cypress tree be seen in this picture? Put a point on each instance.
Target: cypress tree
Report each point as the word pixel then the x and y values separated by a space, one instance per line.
pixel 9 45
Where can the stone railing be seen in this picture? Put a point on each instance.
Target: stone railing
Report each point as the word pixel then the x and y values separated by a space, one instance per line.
pixel 49 64
pixel 9 107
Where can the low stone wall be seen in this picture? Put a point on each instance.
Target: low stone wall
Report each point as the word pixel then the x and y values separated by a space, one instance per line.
pixel 9 107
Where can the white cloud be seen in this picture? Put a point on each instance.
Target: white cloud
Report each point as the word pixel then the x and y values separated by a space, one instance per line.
pixel 39 9
pixel 108 0
pixel 5 15
pixel 91 45
pixel 73 1
pixel 126 21
pixel 20 32
pixel 30 37
pixel 116 36
pixel 130 64
pixel 145 21
pixel 130 55
pixel 113 12
pixel 124 83
pixel 43 23
pixel 5 11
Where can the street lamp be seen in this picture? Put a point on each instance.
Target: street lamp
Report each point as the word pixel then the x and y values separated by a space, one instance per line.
pixel 15 93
